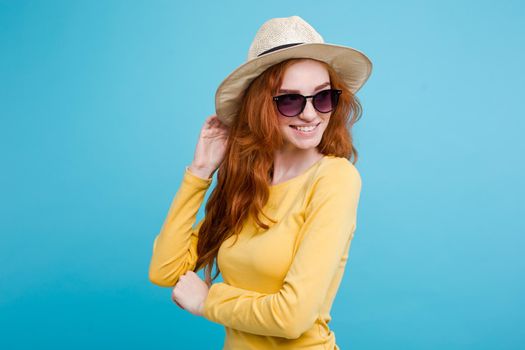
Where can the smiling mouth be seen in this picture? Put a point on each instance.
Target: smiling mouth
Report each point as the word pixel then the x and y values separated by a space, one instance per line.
pixel 308 129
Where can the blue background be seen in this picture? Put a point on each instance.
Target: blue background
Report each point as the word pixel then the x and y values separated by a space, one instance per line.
pixel 101 105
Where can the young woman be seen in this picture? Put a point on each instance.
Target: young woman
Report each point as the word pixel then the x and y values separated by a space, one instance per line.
pixel 281 218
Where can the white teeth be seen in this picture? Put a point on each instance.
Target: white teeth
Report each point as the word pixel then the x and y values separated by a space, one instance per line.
pixel 300 128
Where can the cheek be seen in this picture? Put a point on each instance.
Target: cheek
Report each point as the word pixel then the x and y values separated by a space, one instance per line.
pixel 284 124
pixel 324 127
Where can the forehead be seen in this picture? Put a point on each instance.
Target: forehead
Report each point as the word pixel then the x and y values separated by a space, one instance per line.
pixel 305 76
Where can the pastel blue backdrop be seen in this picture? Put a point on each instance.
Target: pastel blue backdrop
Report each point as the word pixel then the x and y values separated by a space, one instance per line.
pixel 101 104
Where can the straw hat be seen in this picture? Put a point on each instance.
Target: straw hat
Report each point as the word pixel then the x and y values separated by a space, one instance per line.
pixel 279 39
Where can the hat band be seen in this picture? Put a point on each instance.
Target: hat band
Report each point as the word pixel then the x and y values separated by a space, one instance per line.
pixel 278 48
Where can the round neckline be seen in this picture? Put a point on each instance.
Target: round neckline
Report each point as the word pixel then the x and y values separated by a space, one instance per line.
pixel 293 179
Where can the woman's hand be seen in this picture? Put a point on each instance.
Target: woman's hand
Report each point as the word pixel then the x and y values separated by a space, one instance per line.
pixel 190 292
pixel 211 147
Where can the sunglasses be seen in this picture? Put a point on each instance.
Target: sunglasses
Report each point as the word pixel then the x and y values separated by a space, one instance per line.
pixel 291 105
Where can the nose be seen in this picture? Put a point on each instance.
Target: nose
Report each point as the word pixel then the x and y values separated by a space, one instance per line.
pixel 309 113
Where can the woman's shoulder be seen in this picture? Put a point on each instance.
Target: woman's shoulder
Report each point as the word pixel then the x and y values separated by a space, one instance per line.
pixel 336 179
pixel 334 168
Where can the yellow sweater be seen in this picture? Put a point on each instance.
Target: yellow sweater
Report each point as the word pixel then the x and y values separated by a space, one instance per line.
pixel 279 284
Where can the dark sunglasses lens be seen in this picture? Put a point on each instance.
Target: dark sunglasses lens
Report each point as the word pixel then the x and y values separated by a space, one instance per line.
pixel 326 100
pixel 290 105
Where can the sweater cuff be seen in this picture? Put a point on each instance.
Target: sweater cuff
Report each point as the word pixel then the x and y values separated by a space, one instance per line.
pixel 192 179
pixel 207 311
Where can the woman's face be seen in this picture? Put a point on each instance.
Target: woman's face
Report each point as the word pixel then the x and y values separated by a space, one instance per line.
pixel 307 78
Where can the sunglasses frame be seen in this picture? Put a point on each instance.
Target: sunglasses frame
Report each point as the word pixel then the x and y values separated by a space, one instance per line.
pixel 305 98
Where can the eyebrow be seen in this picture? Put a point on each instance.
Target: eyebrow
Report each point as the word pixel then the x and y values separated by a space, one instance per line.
pixel 297 91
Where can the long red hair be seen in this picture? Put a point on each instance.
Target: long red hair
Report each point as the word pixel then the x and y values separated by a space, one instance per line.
pixel 244 176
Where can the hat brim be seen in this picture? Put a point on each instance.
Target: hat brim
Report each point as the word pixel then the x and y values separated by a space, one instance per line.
pixel 352 65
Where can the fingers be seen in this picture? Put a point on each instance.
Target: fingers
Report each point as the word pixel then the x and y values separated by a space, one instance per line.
pixel 214 121
pixel 174 299
pixel 176 302
pixel 211 118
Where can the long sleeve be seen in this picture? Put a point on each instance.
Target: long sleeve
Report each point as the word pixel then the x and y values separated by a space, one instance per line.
pixel 175 247
pixel 330 222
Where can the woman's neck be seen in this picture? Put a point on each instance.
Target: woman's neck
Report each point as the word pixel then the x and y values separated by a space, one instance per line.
pixel 293 163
